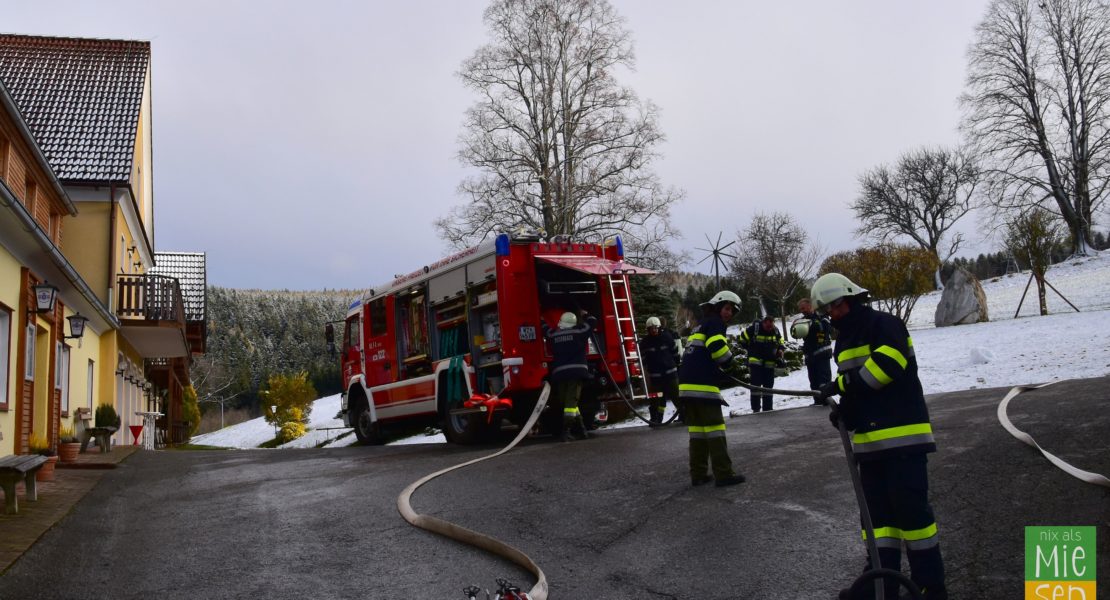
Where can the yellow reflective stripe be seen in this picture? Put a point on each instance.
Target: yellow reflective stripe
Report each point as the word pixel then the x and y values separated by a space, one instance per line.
pixel 909 535
pixel 710 428
pixel 719 353
pixel 715 338
pixel 909 342
pixel 697 387
pixel 877 372
pixel 893 353
pixel 851 353
pixel 892 432
pixel 697 336
pixel 920 534
pixel 570 411
pixel 840 383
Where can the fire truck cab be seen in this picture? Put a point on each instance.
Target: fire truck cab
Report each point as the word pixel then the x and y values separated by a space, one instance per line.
pixel 421 346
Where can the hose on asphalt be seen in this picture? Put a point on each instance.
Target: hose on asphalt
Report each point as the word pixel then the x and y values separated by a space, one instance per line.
pixel 1004 419
pixel 469 536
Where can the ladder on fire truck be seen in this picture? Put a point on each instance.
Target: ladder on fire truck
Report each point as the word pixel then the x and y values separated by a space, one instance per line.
pixel 621 295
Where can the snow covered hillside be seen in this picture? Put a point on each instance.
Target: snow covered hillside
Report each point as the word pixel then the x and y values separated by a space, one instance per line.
pixel 1003 352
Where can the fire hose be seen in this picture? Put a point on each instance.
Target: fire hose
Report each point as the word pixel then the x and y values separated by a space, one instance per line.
pixel 469 536
pixel 1004 419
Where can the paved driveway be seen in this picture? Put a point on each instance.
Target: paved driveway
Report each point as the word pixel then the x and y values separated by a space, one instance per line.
pixel 613 517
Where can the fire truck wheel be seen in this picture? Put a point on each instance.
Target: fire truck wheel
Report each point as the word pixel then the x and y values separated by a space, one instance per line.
pixel 466 428
pixel 367 431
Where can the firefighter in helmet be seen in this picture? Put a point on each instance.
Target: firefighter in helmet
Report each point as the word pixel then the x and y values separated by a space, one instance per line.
pixel 815 331
pixel 660 356
pixel 765 347
pixel 569 345
pixel 707 352
pixel 883 404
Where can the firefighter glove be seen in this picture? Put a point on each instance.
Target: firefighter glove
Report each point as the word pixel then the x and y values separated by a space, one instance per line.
pixel 827 391
pixel 834 418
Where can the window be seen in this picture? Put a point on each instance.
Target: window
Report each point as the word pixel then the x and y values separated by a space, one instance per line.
pixel 377 317
pixel 29 352
pixel 62 377
pixel 351 338
pixel 89 388
pixel 5 354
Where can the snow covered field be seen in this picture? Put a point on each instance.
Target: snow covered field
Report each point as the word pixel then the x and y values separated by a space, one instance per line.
pixel 1003 352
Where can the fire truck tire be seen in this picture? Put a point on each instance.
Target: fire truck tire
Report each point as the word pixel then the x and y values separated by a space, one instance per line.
pixel 466 429
pixel 367 431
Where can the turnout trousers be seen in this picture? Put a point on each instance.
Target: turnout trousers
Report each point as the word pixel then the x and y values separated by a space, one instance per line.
pixel 897 490
pixel 668 385
pixel 708 447
pixel 819 368
pixel 566 394
pixel 763 377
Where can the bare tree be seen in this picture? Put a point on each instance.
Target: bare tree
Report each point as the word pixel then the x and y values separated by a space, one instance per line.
pixel 1032 236
pixel 1036 104
pixel 776 258
pixel 921 198
pixel 561 147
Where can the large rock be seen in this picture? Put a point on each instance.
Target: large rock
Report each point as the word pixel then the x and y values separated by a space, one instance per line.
pixel 962 302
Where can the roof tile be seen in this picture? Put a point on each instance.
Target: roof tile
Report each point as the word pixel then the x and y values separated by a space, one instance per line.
pixel 81 98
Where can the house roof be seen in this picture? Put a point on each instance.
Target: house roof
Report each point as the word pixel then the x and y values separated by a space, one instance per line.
pixel 81 98
pixel 190 269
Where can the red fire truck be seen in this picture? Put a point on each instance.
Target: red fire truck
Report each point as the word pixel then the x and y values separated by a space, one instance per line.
pixel 421 346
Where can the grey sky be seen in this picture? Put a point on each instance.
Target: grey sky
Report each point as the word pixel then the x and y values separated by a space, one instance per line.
pixel 311 145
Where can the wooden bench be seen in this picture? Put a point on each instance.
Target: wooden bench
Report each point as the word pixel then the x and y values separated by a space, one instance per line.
pixel 103 437
pixel 16 467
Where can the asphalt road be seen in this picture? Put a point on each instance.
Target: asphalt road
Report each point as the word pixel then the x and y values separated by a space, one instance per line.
pixel 613 517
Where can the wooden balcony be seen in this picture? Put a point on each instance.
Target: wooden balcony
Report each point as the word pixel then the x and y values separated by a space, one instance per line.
pixel 152 315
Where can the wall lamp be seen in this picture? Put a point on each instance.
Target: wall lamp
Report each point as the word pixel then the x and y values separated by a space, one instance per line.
pixel 45 294
pixel 76 326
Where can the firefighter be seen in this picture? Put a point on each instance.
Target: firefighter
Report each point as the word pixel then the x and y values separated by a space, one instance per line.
pixel 765 347
pixel 882 403
pixel 815 331
pixel 707 353
pixel 569 345
pixel 660 356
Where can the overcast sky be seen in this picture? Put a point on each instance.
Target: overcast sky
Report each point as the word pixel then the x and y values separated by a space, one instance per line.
pixel 310 145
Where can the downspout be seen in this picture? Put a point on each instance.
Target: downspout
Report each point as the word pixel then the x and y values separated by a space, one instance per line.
pixel 111 245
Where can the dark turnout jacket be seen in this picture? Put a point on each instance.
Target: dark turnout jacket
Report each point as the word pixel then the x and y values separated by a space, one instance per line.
pixel 569 346
pixel 707 353
pixel 882 401
pixel 659 354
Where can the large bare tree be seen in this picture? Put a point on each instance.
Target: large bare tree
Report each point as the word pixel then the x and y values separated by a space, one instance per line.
pixel 1036 105
pixel 921 198
pixel 776 258
pixel 559 144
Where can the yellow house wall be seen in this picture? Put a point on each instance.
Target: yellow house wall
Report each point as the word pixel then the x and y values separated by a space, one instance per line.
pixel 86 245
pixel 142 174
pixel 9 297
pixel 80 352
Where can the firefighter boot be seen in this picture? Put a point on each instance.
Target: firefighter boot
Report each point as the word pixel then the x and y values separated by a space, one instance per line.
pixel 566 432
pixel 578 428
pixel 655 415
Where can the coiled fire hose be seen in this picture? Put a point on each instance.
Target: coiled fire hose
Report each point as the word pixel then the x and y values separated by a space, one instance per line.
pixel 1004 419
pixel 469 536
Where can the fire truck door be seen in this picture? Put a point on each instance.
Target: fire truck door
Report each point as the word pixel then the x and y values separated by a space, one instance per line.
pixel 352 345
pixel 380 348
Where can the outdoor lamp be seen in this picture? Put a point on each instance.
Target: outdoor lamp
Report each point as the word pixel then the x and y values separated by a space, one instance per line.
pixel 76 326
pixel 45 294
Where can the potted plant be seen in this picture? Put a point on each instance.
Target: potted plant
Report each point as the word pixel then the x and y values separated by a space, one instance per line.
pixel 40 446
pixel 106 417
pixel 68 445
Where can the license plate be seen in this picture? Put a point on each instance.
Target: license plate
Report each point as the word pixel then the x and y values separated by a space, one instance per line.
pixel 527 333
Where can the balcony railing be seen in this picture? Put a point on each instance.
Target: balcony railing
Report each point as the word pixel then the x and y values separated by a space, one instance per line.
pixel 149 297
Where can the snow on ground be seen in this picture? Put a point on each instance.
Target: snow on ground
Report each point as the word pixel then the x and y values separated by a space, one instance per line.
pixel 1000 353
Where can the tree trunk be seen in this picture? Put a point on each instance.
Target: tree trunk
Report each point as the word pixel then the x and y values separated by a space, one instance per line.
pixel 1042 297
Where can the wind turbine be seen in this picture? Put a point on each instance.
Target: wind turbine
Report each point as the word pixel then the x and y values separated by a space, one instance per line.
pixel 716 251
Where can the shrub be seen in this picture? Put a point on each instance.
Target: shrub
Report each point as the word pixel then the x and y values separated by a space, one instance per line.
pixel 106 416
pixel 292 395
pixel 190 411
pixel 290 431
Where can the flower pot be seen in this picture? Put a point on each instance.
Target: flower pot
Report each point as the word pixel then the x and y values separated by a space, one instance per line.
pixel 67 452
pixel 46 471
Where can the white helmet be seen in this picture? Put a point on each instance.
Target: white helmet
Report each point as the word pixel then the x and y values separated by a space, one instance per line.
pixel 799 329
pixel 724 296
pixel 830 287
pixel 653 322
pixel 568 320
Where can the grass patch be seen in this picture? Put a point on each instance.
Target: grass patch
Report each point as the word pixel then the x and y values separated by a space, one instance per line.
pixel 195 447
